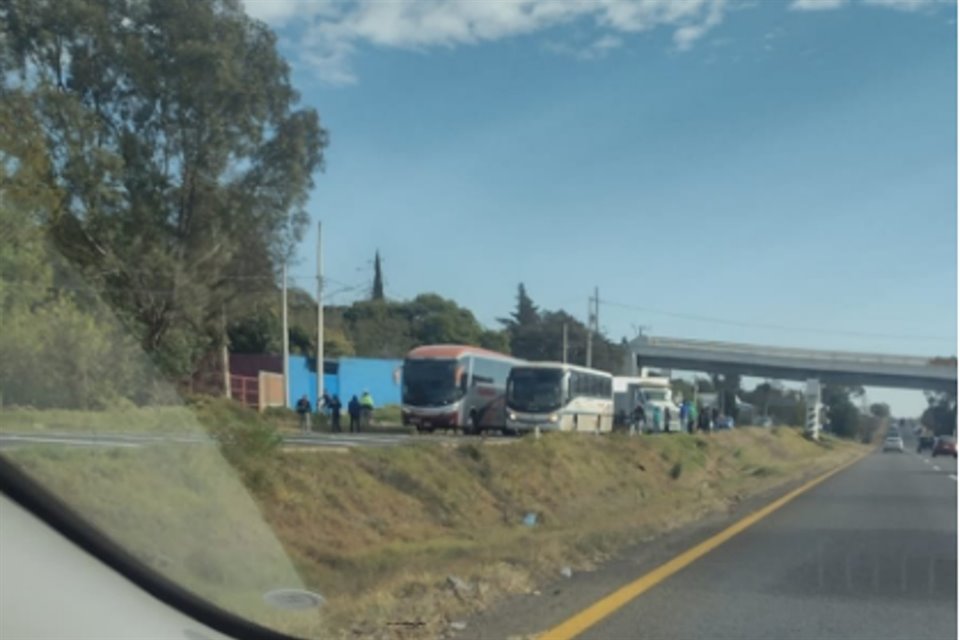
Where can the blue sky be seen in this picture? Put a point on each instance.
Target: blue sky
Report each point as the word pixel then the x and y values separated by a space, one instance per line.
pixel 789 169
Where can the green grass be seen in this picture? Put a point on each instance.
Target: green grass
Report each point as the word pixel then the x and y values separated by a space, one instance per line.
pixel 170 419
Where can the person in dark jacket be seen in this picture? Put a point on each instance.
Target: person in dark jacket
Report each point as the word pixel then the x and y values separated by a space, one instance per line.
pixel 303 410
pixel 353 408
pixel 334 405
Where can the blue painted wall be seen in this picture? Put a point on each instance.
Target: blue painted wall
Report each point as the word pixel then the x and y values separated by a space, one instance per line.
pixel 303 380
pixel 380 377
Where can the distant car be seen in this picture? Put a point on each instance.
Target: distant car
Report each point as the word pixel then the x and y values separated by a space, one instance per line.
pixel 924 443
pixel 944 446
pixel 893 443
pixel 725 422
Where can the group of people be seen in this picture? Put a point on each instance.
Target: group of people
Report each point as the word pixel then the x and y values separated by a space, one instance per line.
pixel 692 418
pixel 359 409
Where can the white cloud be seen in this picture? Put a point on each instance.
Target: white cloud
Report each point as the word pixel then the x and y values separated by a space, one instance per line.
pixel 906 5
pixel 326 33
pixel 816 5
pixel 903 5
pixel 330 31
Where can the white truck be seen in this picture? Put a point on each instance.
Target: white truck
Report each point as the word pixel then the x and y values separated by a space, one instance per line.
pixel 650 392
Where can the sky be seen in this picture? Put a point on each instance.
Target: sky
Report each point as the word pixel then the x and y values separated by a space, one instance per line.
pixel 775 173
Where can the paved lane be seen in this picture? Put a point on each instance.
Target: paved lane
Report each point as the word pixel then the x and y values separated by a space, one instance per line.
pixel 871 553
pixel 322 440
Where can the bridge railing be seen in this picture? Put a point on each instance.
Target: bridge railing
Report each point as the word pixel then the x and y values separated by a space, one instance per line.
pixel 836 357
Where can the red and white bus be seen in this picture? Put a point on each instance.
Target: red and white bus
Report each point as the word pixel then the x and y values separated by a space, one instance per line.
pixel 459 387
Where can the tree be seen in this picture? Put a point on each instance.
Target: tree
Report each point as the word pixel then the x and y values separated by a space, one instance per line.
pixel 843 415
pixel 785 406
pixel 179 161
pixel 258 332
pixel 59 344
pixel 940 416
pixel 525 314
pixel 880 410
pixel 377 293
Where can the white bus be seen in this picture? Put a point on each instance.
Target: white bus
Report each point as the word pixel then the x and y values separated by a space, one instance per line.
pixel 454 387
pixel 559 397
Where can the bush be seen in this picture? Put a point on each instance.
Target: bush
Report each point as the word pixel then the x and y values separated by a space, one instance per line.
pixel 241 433
pixel 676 470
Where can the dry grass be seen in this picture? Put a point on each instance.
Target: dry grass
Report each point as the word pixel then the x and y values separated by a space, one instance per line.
pixel 383 529
pixel 379 531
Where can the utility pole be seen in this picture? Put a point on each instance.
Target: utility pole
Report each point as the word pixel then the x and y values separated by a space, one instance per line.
pixel 564 343
pixel 589 332
pixel 286 341
pixel 593 324
pixel 224 351
pixel 319 313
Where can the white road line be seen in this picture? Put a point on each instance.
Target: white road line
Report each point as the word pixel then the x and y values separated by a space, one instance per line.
pixel 936 468
pixel 927 460
pixel 953 477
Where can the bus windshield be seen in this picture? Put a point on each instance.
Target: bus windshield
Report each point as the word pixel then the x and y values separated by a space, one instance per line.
pixel 535 389
pixel 655 395
pixel 430 383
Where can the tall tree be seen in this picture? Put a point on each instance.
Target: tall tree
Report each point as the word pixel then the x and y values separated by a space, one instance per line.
pixel 181 160
pixel 843 415
pixel 940 416
pixel 377 292
pixel 526 313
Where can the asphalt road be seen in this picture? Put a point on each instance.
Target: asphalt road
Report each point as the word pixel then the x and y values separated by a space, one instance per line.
pixel 315 440
pixel 870 553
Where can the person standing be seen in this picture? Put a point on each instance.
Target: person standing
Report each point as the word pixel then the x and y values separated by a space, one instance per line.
pixel 366 408
pixel 692 418
pixel 656 418
pixel 303 411
pixel 714 418
pixel 666 419
pixel 334 405
pixel 353 408
pixel 639 418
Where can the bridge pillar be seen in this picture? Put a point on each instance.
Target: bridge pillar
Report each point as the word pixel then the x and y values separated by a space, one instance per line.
pixel 813 407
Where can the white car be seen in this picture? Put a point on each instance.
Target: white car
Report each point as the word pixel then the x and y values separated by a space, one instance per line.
pixel 893 443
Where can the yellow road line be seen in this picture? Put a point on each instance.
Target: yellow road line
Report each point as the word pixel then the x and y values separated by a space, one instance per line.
pixel 580 622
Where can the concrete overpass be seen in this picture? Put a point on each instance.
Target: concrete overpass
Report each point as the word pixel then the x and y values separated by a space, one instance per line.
pixel 830 367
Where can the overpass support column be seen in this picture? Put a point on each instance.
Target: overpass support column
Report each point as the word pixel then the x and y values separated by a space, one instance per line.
pixel 813 406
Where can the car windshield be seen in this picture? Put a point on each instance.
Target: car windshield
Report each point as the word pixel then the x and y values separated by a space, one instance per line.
pixel 312 313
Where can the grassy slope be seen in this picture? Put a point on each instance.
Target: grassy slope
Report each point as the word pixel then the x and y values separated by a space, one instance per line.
pixel 377 531
pixel 382 529
pixel 165 420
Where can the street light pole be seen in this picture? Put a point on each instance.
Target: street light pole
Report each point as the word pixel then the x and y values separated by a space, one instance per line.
pixel 319 313
pixel 286 340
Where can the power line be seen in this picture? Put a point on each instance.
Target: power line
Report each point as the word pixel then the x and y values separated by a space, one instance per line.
pixel 777 327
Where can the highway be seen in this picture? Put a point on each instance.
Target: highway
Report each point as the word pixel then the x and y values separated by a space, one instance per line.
pixel 869 553
pixel 125 440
